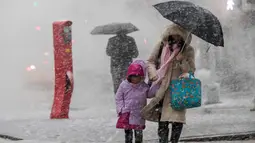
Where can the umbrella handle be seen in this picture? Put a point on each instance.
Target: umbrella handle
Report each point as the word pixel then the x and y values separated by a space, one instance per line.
pixel 208 48
pixel 185 42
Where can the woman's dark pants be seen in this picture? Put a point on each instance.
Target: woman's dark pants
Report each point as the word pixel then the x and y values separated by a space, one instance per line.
pixel 163 131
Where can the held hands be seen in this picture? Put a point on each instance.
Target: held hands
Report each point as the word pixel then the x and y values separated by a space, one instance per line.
pixel 158 78
pixel 155 78
pixel 155 101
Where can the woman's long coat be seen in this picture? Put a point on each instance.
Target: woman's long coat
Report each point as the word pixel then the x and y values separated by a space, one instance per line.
pixel 186 64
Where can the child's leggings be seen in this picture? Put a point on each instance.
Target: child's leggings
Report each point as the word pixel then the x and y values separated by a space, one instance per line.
pixel 129 136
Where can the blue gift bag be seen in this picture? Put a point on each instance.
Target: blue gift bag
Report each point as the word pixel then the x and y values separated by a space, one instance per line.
pixel 185 93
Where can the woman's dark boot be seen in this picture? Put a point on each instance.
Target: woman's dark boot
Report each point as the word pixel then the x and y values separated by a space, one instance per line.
pixel 176 132
pixel 163 132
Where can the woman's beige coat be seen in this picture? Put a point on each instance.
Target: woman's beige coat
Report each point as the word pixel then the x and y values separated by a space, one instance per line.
pixel 185 64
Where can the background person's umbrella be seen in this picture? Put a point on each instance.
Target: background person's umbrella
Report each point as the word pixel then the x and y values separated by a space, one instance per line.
pixel 197 20
pixel 114 28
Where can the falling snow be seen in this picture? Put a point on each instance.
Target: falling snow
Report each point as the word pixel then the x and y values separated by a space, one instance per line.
pixel 100 63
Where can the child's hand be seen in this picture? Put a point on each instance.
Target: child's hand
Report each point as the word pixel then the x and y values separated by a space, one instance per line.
pixel 154 78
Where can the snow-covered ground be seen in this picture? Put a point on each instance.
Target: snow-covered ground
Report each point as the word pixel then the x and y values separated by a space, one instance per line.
pixel 97 123
pixel 230 142
pixel 26 141
pixel 36 141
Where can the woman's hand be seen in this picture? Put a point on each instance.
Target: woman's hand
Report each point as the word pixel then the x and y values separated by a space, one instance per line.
pixel 155 100
pixel 184 75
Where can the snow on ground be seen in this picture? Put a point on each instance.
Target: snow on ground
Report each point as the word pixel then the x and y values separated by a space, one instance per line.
pixel 36 141
pixel 97 123
pixel 250 141
pixel 26 141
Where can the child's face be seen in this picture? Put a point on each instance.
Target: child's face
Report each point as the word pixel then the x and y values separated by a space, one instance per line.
pixel 136 79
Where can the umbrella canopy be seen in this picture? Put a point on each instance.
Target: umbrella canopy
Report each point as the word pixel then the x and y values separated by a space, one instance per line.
pixel 197 20
pixel 114 28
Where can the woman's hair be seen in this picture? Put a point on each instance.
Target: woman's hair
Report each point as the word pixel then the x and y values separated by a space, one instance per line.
pixel 175 29
pixel 173 39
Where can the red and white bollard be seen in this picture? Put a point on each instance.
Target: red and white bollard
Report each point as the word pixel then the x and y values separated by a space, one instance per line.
pixel 62 38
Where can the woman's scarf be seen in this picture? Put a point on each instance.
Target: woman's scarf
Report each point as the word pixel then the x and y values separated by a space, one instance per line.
pixel 166 57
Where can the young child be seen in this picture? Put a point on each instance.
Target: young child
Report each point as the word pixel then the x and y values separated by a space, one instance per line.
pixel 131 97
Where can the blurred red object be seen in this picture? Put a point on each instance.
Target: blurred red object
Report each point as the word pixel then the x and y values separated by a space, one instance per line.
pixel 63 65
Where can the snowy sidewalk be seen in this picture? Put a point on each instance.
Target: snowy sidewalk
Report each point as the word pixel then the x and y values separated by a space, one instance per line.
pixel 97 124
pixel 26 141
pixel 102 129
pixel 229 142
pixel 36 141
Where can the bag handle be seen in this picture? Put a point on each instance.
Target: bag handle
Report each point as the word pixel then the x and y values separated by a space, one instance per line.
pixel 191 74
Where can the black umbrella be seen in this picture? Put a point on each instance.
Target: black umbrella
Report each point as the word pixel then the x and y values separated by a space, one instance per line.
pixel 197 20
pixel 114 28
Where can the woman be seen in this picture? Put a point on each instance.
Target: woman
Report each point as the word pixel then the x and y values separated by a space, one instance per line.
pixel 180 61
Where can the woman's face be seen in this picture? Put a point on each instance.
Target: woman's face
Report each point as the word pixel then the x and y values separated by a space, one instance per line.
pixel 175 42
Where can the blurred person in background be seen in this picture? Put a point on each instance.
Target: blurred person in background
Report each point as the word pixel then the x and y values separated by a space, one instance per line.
pixel 122 49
